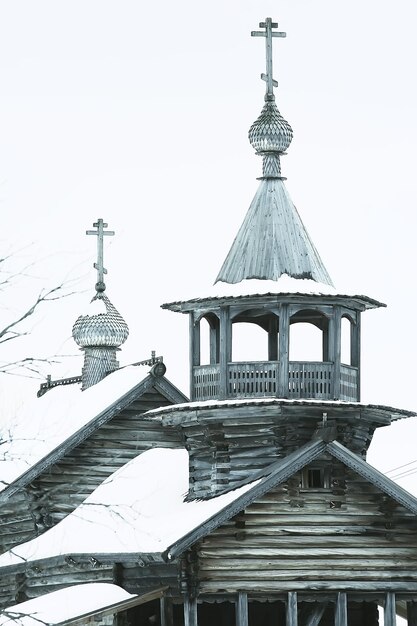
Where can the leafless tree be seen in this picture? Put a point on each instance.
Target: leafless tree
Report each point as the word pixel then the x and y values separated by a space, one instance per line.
pixel 15 321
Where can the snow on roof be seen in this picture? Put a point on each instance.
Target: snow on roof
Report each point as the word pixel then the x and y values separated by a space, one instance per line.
pixel 284 284
pixel 139 509
pixel 65 604
pixel 46 422
pixel 201 404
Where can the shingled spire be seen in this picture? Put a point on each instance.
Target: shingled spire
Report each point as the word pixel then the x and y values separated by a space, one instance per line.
pixel 272 240
pixel 102 330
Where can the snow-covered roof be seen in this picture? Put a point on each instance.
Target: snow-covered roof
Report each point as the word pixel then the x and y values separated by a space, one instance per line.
pixel 65 605
pixel 138 509
pixel 273 401
pixel 46 422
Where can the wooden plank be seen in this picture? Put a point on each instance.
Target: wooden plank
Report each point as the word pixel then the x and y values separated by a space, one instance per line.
pixel 242 618
pixel 292 609
pixel 284 350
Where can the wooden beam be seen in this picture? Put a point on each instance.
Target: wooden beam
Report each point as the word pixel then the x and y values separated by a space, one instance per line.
pixel 390 617
pixel 292 609
pixel 341 610
pixel 242 610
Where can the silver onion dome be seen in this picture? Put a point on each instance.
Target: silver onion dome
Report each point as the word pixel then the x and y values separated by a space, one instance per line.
pixel 102 327
pixel 270 132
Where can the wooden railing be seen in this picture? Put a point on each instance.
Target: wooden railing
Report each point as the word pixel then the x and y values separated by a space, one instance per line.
pixel 258 379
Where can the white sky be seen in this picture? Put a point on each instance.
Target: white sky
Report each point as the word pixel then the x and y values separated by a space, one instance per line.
pixel 138 113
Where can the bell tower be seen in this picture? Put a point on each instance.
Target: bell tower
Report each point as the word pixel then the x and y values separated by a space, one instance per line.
pixel 273 277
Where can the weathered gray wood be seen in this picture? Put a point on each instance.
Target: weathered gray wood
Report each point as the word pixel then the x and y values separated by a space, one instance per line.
pixel 225 339
pixel 390 616
pixel 273 339
pixel 412 613
pixel 166 610
pixel 341 610
pixel 314 618
pixel 292 609
pixel 190 611
pixel 242 618
pixel 284 349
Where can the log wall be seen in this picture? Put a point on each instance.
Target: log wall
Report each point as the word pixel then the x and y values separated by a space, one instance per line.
pixel 347 536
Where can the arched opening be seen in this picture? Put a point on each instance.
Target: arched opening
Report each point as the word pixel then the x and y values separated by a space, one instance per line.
pixel 209 339
pixel 204 341
pixel 249 342
pixel 346 341
pixel 308 336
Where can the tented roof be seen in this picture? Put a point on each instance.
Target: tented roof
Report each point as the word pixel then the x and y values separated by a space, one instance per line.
pixel 272 241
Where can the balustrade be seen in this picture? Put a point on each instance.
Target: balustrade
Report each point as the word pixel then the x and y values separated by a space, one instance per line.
pixel 258 379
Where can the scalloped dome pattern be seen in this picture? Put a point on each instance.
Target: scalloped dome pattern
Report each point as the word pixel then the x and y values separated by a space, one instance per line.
pixel 270 132
pixel 101 329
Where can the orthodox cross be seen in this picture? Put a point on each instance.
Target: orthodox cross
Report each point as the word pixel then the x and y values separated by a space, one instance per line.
pixel 268 33
pixel 100 233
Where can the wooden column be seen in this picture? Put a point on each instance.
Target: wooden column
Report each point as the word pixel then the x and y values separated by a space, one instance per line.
pixel 355 350
pixel 214 342
pixel 194 350
pixel 284 350
pixel 412 613
pixel 334 349
pixel 292 609
pixel 167 612
pixel 390 617
pixel 341 610
pixel 225 349
pixel 273 339
pixel 242 610
pixel 190 611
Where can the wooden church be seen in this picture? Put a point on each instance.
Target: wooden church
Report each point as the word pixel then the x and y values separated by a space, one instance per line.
pixel 252 503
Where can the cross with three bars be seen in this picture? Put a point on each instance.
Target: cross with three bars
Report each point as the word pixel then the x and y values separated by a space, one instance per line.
pixel 268 33
pixel 99 266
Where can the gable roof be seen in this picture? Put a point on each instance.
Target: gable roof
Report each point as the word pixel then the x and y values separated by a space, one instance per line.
pixel 55 423
pixel 154 521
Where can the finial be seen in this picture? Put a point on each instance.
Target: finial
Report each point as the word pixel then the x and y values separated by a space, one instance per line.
pixel 268 33
pixel 270 134
pixel 99 266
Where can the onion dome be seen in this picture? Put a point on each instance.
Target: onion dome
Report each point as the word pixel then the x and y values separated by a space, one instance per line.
pixel 270 132
pixel 101 326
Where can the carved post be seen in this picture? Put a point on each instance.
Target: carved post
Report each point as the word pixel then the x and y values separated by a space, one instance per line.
pixel 334 349
pixel 355 347
pixel 242 609
pixel 292 612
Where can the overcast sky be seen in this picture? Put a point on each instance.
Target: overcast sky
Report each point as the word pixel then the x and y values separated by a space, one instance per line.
pixel 138 113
